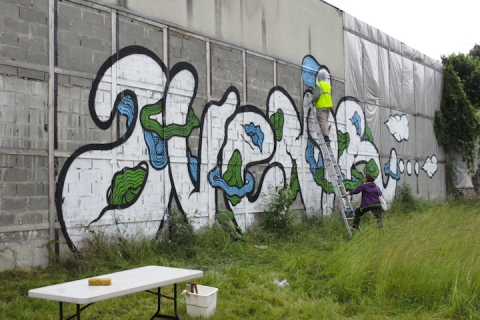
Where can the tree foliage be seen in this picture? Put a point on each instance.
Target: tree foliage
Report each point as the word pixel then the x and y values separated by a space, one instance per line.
pixel 467 67
pixel 457 124
pixel 475 51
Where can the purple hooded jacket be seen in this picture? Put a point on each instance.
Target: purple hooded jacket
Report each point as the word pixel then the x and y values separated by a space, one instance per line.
pixel 370 193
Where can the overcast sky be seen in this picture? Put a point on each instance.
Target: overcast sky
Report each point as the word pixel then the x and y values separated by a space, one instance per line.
pixel 433 27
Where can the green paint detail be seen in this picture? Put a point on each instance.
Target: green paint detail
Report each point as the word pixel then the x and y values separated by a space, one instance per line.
pixel 233 175
pixel 170 130
pixel 234 199
pixel 350 185
pixel 367 135
pixel 185 130
pixel 294 183
pixel 277 119
pixel 343 142
pixel 126 186
pixel 372 168
pixel 322 182
pixel 357 174
pixel 149 124
pixel 224 217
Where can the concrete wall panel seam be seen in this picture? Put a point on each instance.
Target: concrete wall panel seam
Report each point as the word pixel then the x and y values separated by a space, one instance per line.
pixel 26 151
pixel 93 5
pixel 24 227
pixel 23 64
pixel 141 19
pixel 62 154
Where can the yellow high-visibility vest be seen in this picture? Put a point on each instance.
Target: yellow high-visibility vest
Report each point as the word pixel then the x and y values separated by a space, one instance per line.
pixel 325 98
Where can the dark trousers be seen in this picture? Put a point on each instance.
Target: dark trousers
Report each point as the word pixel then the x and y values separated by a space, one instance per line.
pixel 359 212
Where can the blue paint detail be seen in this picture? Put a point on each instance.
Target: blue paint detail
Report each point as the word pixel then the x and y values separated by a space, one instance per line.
pixel 309 71
pixel 126 108
pixel 217 181
pixel 387 170
pixel 156 147
pixel 320 161
pixel 193 166
pixel 356 121
pixel 310 158
pixel 255 132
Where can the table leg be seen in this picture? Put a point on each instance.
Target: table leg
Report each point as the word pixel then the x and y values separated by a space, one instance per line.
pixel 61 310
pixel 175 300
pixel 159 296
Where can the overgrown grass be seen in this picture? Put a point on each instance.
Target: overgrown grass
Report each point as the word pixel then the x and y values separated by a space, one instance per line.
pixel 423 264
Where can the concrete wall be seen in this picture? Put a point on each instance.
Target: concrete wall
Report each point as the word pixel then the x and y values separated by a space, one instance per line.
pixel 111 117
pixel 264 26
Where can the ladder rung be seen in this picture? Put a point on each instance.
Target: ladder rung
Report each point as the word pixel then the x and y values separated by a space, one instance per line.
pixel 333 170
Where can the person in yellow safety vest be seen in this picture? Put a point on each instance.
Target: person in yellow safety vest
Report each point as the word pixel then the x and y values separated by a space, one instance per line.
pixel 322 99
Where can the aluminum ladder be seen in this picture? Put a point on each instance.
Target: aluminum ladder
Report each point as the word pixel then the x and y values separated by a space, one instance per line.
pixel 335 175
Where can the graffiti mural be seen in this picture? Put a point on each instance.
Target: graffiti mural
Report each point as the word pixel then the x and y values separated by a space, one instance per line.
pixel 127 186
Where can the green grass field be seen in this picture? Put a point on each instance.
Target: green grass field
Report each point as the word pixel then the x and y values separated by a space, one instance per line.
pixel 423 264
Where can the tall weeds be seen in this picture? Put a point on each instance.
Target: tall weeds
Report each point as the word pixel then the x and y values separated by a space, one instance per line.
pixel 423 264
pixel 428 262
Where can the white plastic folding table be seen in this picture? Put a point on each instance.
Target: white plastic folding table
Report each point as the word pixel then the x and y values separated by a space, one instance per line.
pixel 124 282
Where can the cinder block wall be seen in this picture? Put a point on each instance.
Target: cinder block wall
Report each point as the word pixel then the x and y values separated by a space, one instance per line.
pixel 24 204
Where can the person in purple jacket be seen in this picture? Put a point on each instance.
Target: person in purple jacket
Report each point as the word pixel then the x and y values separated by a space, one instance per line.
pixel 370 201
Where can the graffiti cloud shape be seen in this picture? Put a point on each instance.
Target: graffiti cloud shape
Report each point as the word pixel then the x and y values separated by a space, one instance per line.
pixel 430 166
pixel 398 126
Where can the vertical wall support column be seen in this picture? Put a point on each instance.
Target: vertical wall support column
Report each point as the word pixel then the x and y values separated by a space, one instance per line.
pixel 210 158
pixel 165 171
pixel 113 92
pixel 304 133
pixel 52 214
pixel 244 93
pixel 275 72
pixel 209 71
pixel 244 80
pixel 274 111
pixel 165 46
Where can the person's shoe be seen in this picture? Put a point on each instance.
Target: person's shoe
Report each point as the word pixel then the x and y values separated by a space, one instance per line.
pixel 327 140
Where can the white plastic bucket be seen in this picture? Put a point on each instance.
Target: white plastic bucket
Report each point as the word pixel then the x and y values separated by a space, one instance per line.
pixel 203 303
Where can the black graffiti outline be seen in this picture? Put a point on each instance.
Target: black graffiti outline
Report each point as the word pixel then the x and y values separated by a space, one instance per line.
pixel 86 148
pixel 103 125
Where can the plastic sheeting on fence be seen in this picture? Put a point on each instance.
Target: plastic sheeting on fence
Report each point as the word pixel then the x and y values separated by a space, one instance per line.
pixel 460 169
pixel 399 88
